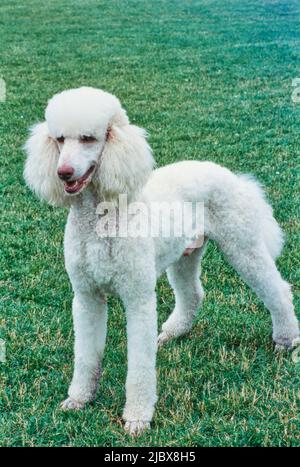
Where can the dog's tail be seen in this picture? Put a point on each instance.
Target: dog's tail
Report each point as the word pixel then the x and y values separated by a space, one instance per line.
pixel 272 233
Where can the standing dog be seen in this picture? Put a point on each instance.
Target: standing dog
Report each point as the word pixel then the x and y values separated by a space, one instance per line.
pixel 87 152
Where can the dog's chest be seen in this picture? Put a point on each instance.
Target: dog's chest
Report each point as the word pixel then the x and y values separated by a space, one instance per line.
pixel 89 258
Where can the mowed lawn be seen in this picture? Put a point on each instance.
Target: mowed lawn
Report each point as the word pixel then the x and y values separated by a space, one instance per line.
pixel 208 79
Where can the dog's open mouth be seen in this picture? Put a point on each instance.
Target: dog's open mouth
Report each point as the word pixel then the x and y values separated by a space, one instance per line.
pixel 75 186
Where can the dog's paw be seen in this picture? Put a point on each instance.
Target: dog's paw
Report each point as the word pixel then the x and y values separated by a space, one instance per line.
pixel 174 327
pixel 71 404
pixel 163 338
pixel 166 336
pixel 286 344
pixel 137 427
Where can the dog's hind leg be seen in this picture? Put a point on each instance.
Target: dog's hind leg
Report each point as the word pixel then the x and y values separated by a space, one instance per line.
pixel 256 266
pixel 184 279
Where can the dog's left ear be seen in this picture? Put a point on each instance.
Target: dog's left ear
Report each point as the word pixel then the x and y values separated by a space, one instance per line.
pixel 126 160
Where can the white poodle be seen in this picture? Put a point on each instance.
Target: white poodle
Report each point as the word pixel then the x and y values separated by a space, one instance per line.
pixel 87 152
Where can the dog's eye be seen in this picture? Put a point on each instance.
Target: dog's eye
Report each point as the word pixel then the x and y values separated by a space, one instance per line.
pixel 87 139
pixel 60 139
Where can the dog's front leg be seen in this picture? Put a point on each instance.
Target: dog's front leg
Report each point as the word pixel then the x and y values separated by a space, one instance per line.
pixel 90 322
pixel 141 376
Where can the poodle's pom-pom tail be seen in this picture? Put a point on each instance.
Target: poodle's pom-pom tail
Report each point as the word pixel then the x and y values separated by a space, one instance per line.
pixel 40 167
pixel 272 233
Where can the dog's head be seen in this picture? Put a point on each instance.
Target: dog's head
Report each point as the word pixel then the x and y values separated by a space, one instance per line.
pixel 86 139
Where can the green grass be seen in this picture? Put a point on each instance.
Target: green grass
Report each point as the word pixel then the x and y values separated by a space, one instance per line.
pixel 211 80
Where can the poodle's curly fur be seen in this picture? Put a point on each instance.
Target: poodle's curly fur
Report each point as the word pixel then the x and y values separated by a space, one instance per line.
pixel 87 131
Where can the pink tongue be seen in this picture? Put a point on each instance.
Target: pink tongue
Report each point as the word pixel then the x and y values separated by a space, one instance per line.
pixel 70 184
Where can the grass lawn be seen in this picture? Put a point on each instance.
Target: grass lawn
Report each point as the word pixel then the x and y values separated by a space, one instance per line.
pixel 209 79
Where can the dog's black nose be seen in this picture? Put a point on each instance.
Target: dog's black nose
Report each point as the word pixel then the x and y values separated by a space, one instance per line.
pixel 65 172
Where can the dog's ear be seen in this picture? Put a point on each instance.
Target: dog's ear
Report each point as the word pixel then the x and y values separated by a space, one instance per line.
pixel 126 160
pixel 40 167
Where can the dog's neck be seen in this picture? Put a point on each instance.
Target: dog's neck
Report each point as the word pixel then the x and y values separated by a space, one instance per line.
pixel 87 210
pixel 101 195
pixel 88 201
